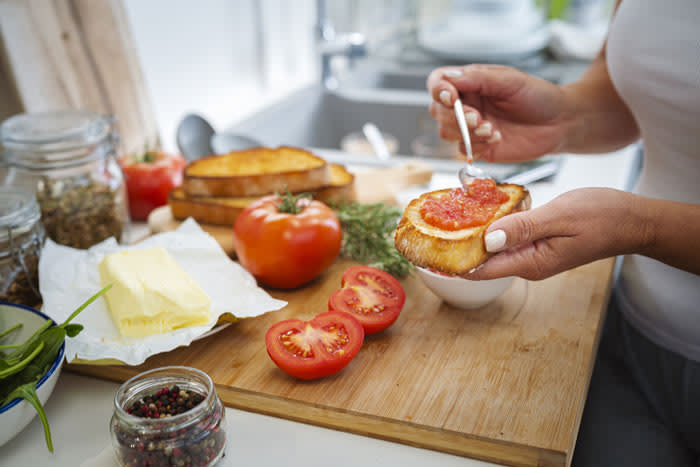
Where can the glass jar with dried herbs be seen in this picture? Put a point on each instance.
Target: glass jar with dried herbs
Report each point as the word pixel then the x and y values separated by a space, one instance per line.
pixel 21 239
pixel 68 160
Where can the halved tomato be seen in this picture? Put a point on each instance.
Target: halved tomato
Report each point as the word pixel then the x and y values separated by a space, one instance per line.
pixel 371 295
pixel 317 348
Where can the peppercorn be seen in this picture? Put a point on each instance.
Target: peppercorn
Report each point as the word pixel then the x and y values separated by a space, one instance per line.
pixel 167 401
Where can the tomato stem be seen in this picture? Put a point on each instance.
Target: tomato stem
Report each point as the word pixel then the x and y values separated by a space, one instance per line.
pixel 289 202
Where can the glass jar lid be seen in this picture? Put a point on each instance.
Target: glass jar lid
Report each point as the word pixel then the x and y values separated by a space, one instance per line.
pixel 19 212
pixel 64 129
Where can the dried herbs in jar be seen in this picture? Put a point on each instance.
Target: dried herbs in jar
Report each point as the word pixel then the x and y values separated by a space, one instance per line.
pixel 79 212
pixel 68 160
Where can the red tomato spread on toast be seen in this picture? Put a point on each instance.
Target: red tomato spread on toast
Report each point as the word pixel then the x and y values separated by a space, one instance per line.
pixel 463 208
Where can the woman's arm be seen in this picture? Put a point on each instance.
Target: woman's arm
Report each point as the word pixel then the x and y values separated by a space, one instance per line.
pixel 598 119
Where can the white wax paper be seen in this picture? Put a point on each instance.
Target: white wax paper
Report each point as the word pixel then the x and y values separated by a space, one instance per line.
pixel 68 277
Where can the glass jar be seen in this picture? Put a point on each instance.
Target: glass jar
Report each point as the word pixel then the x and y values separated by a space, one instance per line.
pixel 68 160
pixel 193 437
pixel 21 239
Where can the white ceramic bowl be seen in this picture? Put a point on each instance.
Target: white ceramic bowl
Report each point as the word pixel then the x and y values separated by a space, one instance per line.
pixel 16 415
pixel 463 293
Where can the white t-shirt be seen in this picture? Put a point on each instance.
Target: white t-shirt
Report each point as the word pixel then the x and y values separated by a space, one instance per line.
pixel 653 56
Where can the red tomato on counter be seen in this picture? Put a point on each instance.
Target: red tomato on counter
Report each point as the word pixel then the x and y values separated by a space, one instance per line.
pixel 371 295
pixel 149 179
pixel 317 348
pixel 286 249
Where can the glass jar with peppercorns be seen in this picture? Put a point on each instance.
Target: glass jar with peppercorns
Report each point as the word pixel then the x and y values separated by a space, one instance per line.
pixel 168 416
pixel 68 160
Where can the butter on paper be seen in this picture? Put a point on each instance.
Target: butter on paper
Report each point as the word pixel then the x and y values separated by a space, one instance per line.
pixel 68 277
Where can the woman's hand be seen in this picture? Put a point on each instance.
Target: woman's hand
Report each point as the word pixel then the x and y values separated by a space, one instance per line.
pixel 512 116
pixel 575 228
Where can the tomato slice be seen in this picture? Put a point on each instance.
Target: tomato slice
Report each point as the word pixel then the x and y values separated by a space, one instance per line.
pixel 317 348
pixel 371 295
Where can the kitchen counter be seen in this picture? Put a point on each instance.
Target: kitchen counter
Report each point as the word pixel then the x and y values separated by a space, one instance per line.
pixel 80 407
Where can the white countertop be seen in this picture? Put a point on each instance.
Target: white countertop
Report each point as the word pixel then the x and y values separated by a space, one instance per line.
pixel 80 407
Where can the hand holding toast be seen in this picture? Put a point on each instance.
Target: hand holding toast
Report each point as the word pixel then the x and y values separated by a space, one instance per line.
pixel 511 116
pixel 575 228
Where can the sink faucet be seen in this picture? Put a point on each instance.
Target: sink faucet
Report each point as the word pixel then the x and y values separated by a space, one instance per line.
pixel 350 45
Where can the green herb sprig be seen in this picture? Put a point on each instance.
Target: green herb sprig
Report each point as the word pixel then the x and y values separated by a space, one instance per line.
pixel 21 370
pixel 367 236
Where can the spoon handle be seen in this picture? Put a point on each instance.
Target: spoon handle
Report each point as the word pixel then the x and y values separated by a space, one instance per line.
pixel 461 121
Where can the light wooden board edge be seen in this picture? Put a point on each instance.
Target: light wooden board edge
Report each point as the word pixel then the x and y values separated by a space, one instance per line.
pixel 363 424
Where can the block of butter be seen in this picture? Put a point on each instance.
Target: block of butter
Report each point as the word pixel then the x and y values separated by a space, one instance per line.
pixel 151 293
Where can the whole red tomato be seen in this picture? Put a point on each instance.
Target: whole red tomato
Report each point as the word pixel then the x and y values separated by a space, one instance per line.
pixel 286 244
pixel 149 179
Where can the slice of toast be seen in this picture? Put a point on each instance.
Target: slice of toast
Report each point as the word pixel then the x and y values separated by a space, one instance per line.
pixel 341 186
pixel 256 172
pixel 219 210
pixel 454 252
pixel 207 209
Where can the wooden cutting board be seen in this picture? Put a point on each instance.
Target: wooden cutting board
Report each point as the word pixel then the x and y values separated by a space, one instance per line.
pixel 506 383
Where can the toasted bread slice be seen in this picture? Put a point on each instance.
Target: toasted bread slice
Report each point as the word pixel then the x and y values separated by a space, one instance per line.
pixel 255 172
pixel 454 252
pixel 207 209
pixel 220 210
pixel 341 187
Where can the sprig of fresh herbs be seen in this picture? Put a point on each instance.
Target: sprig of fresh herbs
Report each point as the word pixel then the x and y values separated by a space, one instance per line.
pixel 367 236
pixel 21 369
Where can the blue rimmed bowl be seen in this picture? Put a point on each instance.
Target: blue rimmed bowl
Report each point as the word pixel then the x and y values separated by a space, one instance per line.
pixel 16 414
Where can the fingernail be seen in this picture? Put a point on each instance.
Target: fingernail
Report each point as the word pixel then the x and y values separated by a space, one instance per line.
pixel 472 119
pixel 445 98
pixel 495 138
pixel 495 241
pixel 453 73
pixel 483 130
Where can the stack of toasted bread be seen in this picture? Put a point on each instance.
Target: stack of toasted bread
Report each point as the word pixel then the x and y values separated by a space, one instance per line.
pixel 216 189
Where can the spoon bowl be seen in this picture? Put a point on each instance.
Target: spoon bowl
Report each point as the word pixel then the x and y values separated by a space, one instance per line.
pixel 469 172
pixel 194 137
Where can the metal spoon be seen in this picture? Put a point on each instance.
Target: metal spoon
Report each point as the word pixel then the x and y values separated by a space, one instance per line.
pixel 196 138
pixel 193 137
pixel 375 138
pixel 469 172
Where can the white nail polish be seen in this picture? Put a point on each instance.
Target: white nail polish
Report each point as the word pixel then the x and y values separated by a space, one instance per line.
pixel 472 119
pixel 495 138
pixel 453 73
pixel 495 241
pixel 445 98
pixel 483 130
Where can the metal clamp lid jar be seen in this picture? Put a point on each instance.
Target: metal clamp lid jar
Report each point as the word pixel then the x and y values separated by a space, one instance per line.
pixel 21 239
pixel 68 159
